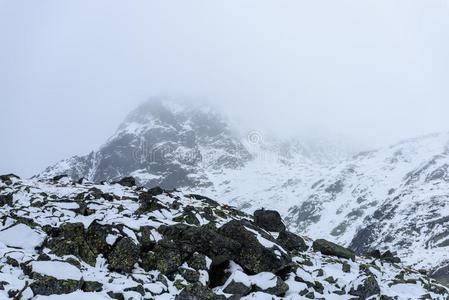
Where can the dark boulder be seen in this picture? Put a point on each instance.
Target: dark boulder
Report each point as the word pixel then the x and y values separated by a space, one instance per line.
pixel 198 292
pixel 146 240
pixel 204 240
pixel 291 241
pixel 165 257
pixel 96 235
pixel 7 178
pixel 269 220
pixel 127 181
pixel 155 191
pixel 369 287
pixel 47 285
pixel 70 239
pixel 123 256
pixel 329 248
pixel 148 203
pixel 6 200
pixel 253 256
pixel 237 288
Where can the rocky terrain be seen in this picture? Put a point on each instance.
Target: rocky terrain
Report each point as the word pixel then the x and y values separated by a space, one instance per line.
pixel 64 239
pixel 394 198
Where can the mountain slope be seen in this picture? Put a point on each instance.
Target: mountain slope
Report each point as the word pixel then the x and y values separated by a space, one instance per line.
pixel 160 143
pixel 65 240
pixel 392 198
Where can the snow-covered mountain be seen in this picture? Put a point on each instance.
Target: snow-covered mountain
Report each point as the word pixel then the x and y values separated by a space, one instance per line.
pixel 62 240
pixel 392 198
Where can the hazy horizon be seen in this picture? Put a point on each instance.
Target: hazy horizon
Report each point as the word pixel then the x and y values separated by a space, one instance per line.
pixel 366 73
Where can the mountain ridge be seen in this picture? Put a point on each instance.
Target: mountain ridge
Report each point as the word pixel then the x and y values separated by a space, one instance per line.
pixel 367 201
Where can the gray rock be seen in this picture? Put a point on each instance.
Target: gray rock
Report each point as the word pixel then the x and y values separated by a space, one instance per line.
pixel 269 220
pixel 329 248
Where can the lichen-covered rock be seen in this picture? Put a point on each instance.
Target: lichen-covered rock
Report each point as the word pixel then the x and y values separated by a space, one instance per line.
pixel 190 275
pixel 123 256
pixel 269 220
pixel 96 235
pixel 237 288
pixel 148 203
pixel 165 257
pixel 204 240
pixel 368 288
pixel 329 248
pixel 145 238
pixel 252 255
pixel 70 240
pixel 91 286
pixel 127 181
pixel 291 241
pixel 47 285
pixel 198 292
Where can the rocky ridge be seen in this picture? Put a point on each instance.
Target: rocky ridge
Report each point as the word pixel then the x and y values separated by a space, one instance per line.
pixel 64 239
pixel 394 198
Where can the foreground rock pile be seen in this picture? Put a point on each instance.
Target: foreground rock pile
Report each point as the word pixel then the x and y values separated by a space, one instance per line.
pixel 75 240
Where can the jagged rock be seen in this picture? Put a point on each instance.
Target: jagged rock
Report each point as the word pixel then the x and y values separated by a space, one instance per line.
pixel 145 239
pixel 368 288
pixel 47 285
pixel 6 200
pixel 329 248
pixel 124 255
pixel 70 240
pixel 198 261
pixel 148 203
pixel 237 288
pixel 96 235
pixel 291 241
pixel 269 220
pixel 127 181
pixel 198 292
pixel 155 191
pixel 165 257
pixel 278 290
pixel 7 178
pixel 117 296
pixel 388 256
pixel 204 240
pixel 253 256
pixel 92 286
pixel 190 275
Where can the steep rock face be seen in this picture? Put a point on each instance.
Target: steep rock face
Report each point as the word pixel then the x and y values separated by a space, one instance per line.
pixel 160 143
pixel 186 247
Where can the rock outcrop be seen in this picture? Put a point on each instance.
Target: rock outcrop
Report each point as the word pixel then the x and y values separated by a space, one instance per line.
pixel 119 241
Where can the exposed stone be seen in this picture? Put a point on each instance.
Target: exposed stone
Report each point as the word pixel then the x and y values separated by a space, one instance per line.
pixel 127 181
pixel 291 241
pixel 329 248
pixel 269 220
pixel 124 255
pixel 253 256
pixel 6 200
pixel 368 288
pixel 198 292
pixel 46 285
pixel 237 288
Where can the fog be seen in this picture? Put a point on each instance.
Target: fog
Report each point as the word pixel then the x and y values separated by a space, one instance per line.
pixel 366 72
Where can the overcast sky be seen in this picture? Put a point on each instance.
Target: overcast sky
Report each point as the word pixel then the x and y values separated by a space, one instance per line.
pixel 372 72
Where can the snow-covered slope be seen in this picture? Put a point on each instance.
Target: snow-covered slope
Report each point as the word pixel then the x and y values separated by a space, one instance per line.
pixel 61 239
pixel 162 143
pixel 394 197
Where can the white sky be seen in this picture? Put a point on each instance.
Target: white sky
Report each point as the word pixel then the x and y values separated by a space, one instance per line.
pixel 371 72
